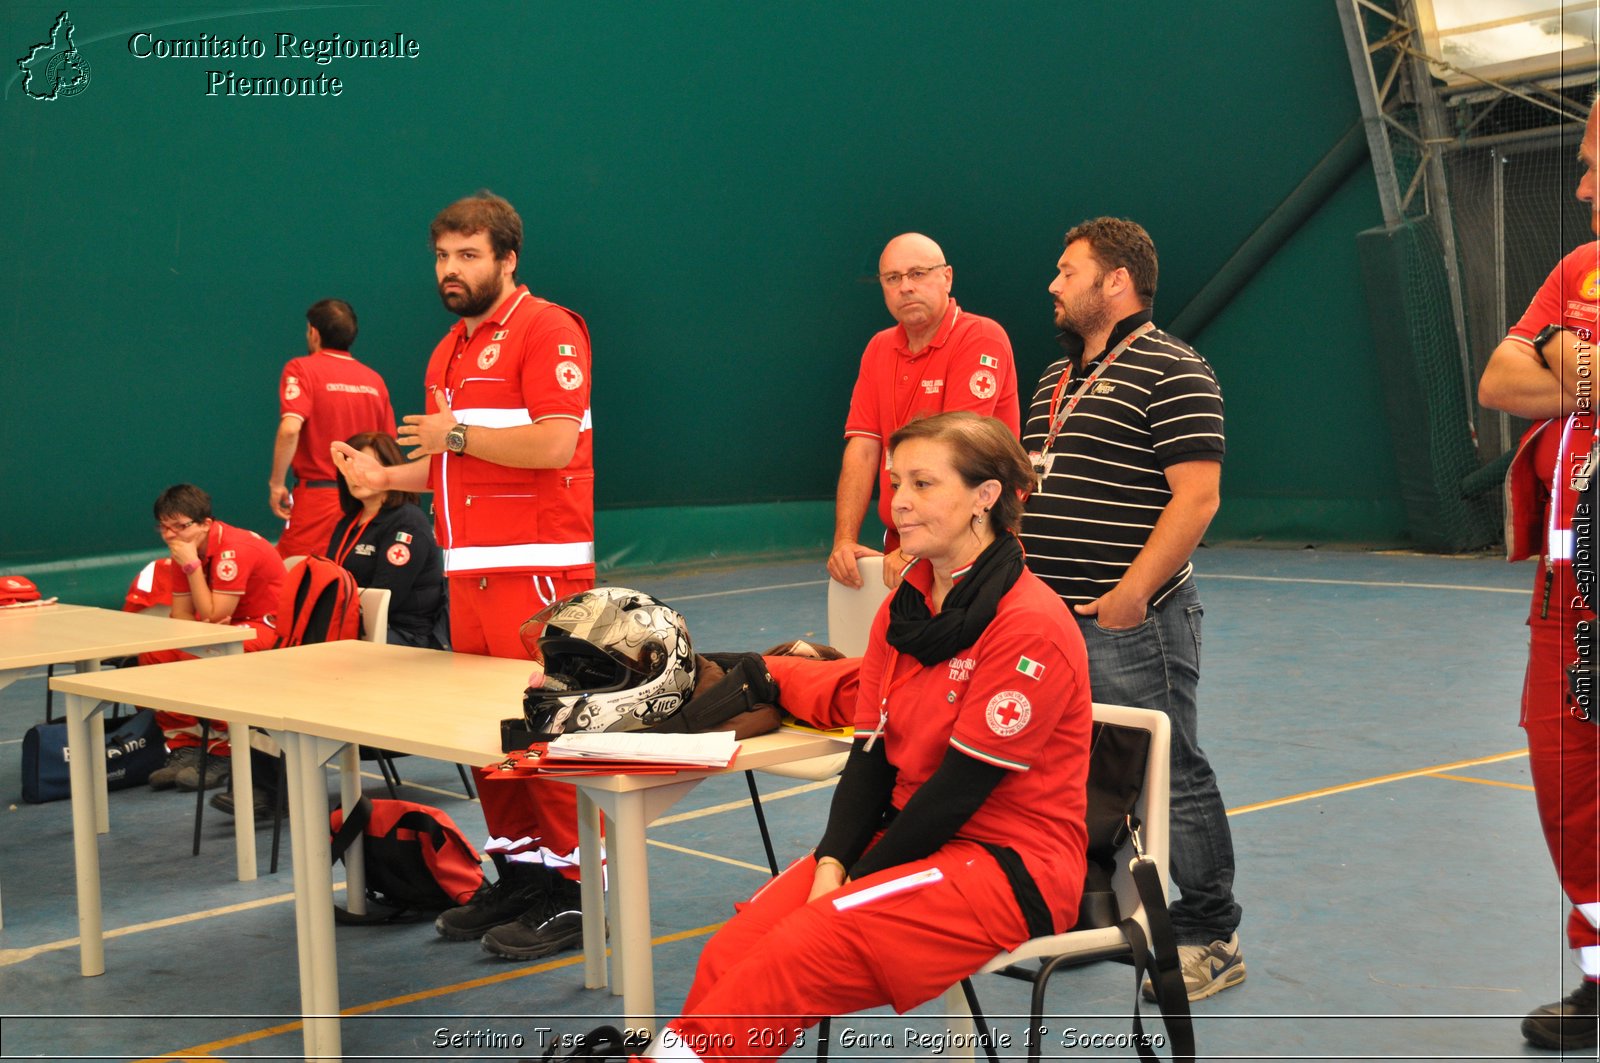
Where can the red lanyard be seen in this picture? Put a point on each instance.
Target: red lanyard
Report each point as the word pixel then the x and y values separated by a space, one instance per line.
pixel 1100 367
pixel 347 544
pixel 886 687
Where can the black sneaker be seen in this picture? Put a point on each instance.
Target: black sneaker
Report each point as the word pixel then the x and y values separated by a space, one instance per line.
pixel 164 777
pixel 553 925
pixel 496 903
pixel 1571 1022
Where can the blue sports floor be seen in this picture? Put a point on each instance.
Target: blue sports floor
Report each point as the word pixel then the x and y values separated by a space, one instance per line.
pixel 1359 709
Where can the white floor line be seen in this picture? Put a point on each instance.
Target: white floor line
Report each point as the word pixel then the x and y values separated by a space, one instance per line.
pixel 1368 583
pixel 8 957
pixel 749 590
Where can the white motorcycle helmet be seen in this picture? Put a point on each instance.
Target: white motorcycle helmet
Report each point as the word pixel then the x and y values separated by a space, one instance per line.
pixel 614 660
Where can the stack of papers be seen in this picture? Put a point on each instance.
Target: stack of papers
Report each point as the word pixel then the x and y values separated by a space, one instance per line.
pixel 616 750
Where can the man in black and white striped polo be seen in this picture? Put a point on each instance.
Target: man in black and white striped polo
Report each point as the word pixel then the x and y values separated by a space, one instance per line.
pixel 1126 432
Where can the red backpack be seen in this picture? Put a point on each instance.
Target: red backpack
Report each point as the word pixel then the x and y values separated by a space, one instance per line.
pixel 320 603
pixel 416 858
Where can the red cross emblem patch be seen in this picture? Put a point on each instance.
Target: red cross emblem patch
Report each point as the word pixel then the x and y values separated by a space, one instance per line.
pixel 1007 713
pixel 982 384
pixel 569 376
pixel 227 571
pixel 398 554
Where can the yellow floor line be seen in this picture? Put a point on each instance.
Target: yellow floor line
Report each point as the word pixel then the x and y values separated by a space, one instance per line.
pixel 1377 780
pixel 1483 782
pixel 708 856
pixel 198 1052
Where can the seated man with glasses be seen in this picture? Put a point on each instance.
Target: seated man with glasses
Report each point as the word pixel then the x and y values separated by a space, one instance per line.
pixel 936 359
pixel 221 575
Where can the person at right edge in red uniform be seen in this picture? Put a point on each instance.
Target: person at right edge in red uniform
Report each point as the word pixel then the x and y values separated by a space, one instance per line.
pixel 510 462
pixel 957 829
pixel 1544 370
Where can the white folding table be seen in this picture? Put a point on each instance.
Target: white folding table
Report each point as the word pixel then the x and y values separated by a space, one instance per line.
pixel 35 636
pixel 323 700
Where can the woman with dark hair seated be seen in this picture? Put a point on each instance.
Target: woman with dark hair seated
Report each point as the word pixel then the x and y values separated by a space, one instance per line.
pixel 957 829
pixel 385 540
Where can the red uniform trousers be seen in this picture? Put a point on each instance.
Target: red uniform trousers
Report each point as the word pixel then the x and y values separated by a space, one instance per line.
pixel 311 520
pixel 1564 759
pixel 781 965
pixel 486 618
pixel 182 729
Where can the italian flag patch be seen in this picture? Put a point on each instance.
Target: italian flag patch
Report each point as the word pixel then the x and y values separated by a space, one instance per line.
pixel 1030 668
pixel 566 350
pixel 989 360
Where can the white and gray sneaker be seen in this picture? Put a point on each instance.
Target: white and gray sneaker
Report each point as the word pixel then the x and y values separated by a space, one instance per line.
pixel 1207 969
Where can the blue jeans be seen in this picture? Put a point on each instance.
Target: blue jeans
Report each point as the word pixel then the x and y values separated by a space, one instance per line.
pixel 1156 665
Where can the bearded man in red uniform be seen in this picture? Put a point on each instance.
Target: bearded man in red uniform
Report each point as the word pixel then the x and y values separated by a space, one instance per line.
pixel 1544 370
pixel 506 431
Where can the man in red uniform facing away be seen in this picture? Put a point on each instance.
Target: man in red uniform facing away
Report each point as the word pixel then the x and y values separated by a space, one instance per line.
pixel 221 575
pixel 322 396
pixel 937 357
pixel 1544 370
pixel 510 461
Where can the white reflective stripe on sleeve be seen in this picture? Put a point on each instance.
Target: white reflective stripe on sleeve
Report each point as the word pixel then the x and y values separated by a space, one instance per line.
pixel 587 424
pixel 927 876
pixel 529 555
pixel 1560 545
pixel 1589 961
pixel 147 577
pixel 668 1045
pixel 491 417
pixel 1591 912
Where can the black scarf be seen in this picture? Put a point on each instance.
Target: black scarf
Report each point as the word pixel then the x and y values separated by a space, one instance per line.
pixel 967 610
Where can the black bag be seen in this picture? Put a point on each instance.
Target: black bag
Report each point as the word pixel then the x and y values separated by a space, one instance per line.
pixel 416 858
pixel 134 749
pixel 1117 758
pixel 734 693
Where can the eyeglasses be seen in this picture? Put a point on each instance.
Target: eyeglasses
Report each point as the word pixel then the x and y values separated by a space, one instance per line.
pixel 175 529
pixel 916 276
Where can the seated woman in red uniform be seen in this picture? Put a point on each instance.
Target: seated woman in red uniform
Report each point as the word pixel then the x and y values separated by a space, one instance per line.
pixel 385 540
pixel 957 829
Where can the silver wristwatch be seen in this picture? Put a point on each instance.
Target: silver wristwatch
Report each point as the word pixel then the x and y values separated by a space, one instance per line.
pixel 455 440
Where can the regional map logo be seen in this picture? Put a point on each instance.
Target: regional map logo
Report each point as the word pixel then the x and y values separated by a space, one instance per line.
pixel 55 69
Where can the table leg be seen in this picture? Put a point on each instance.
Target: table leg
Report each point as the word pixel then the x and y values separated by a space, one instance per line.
pixel 85 843
pixel 322 1026
pixel 355 865
pixel 97 741
pixel 631 884
pixel 244 805
pixel 299 862
pixel 592 890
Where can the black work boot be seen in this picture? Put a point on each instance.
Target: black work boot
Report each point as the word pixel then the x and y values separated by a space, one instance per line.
pixel 555 924
pixel 520 886
pixel 1571 1022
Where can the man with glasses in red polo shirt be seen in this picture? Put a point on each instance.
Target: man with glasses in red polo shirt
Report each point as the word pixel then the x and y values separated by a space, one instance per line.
pixel 938 357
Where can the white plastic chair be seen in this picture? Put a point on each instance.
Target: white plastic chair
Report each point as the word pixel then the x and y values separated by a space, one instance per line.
pixel 851 610
pixel 1077 947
